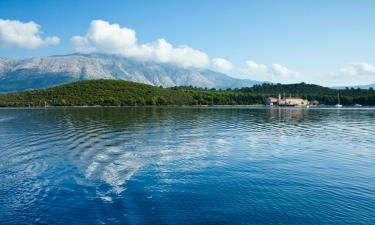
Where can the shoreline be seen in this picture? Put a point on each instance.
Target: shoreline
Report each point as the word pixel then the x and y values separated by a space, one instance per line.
pixel 190 106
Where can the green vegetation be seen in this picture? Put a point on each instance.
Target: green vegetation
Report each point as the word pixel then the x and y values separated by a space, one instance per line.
pixel 125 93
pixel 327 96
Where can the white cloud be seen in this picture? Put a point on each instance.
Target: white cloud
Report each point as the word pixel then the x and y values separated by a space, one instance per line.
pixel 104 37
pixel 221 65
pixel 358 68
pixel 283 71
pixel 273 73
pixel 111 38
pixel 254 68
pixel 14 33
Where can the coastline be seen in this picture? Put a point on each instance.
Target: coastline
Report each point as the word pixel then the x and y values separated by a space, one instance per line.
pixel 192 107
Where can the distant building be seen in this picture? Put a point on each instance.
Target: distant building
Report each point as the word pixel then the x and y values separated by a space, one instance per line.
pixel 296 102
pixel 292 102
pixel 271 101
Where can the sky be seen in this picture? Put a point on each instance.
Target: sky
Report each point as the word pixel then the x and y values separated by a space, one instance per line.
pixel 331 43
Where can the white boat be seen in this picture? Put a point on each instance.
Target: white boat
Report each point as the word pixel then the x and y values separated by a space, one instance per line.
pixel 357 105
pixel 338 105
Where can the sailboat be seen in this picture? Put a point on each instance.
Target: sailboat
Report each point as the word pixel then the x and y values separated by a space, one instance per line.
pixel 338 105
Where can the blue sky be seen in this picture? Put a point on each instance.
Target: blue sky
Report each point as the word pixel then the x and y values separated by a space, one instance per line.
pixel 324 42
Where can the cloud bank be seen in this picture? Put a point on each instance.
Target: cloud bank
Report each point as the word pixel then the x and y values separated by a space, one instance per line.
pixel 358 68
pixel 283 71
pixel 253 68
pixel 222 65
pixel 14 33
pixel 112 39
pixel 275 72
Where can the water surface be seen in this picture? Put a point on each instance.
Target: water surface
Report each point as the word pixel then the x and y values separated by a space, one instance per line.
pixel 187 166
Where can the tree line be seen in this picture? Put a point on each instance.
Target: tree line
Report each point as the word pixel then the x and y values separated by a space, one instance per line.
pixel 126 93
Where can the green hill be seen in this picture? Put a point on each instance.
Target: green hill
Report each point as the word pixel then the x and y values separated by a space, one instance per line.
pixel 96 92
pixel 125 93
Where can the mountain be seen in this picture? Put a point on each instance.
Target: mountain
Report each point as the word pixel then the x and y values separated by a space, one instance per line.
pixel 41 72
pixel 368 86
pixel 365 86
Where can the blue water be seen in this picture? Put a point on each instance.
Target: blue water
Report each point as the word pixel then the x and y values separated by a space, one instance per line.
pixel 187 166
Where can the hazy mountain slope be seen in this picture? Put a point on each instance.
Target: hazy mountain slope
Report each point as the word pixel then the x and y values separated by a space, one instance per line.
pixel 368 86
pixel 41 72
pixel 5 65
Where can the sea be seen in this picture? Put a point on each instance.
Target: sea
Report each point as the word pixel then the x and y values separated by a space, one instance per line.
pixel 187 165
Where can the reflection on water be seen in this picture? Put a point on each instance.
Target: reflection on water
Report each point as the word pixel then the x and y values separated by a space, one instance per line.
pixel 187 166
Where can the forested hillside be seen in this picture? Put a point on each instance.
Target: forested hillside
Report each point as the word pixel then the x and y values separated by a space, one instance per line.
pixel 125 93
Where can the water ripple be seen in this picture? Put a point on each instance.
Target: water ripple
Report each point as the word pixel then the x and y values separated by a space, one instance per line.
pixel 168 165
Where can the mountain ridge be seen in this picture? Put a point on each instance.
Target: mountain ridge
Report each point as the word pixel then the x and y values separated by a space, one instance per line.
pixel 42 72
pixel 362 86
